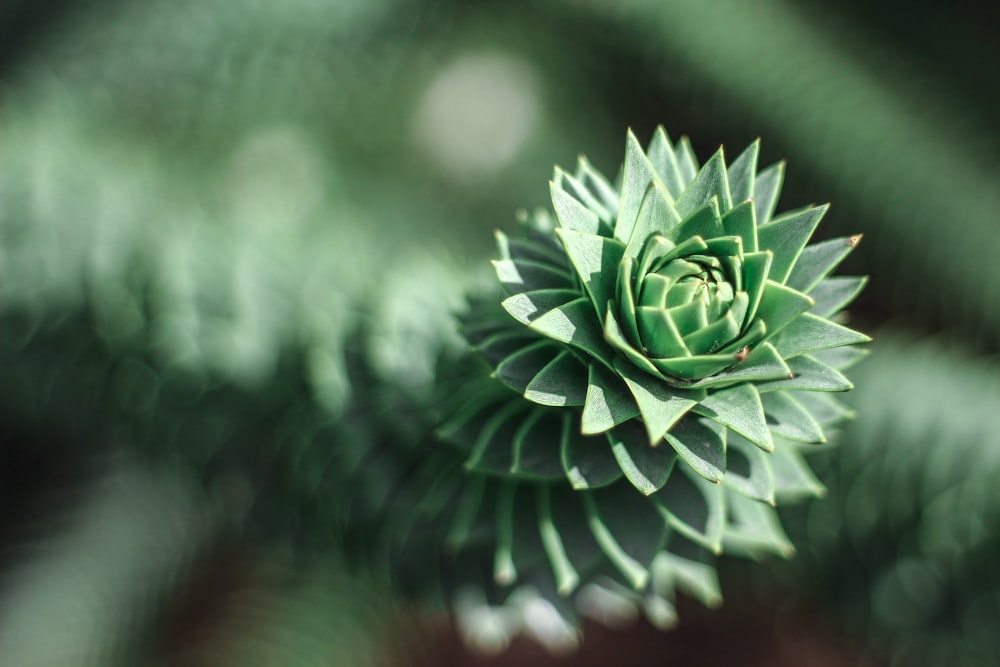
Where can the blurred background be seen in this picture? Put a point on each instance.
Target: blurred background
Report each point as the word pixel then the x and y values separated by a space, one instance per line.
pixel 202 203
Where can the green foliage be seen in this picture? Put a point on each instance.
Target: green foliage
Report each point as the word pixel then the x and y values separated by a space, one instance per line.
pixel 662 338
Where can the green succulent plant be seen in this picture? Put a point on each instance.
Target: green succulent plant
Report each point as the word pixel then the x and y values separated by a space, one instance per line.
pixel 670 331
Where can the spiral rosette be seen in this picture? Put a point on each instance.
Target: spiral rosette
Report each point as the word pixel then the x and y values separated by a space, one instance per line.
pixel 673 348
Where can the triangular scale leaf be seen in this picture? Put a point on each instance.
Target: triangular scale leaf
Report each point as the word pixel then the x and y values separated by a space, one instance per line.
pixel 574 324
pixel 701 444
pixel 596 184
pixel 786 236
pixel 711 182
pixel 789 418
pixel 742 172
pixel 748 469
pixel 763 364
pixel 595 259
pixel 779 305
pixel 647 467
pixel 740 221
pixel 660 405
pixel 809 374
pixel 637 174
pixel 753 528
pixel 656 216
pixel 809 333
pixel 766 188
pixel 562 382
pixel 519 369
pixel 841 358
pixel 526 276
pixel 582 194
pixel 793 480
pixel 571 213
pixel 834 294
pixel 587 462
pixel 698 578
pixel 818 260
pixel 687 161
pixel 526 307
pixel 608 402
pixel 739 408
pixel 661 156
pixel 825 408
pixel 704 222
pixel 694 507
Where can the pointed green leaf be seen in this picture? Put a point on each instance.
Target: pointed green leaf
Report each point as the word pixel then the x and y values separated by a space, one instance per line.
pixel 574 324
pixel 595 259
pixel 740 221
pixel 779 305
pixel 694 507
pixel 818 260
pixel 632 570
pixel 627 300
pixel 608 402
pixel 766 188
pixel 825 408
pixel 567 578
pixel 582 194
pixel 529 306
pixel 834 294
pixel 789 418
pixel 841 358
pixel 711 181
pixel 616 338
pixel 519 369
pixel 809 374
pixel 704 222
pixel 748 469
pixel 526 276
pixel 763 364
pixel 786 236
pixel 739 408
pixel 497 347
pixel 596 184
pixel 587 462
pixel 695 576
pixel 809 333
pixel 562 382
pixel 754 528
pixel 660 405
pixel 756 267
pixel 656 216
pixel 637 174
pixel 661 156
pixel 571 213
pixel 647 467
pixel 741 174
pixel 793 480
pixel 531 250
pixel 702 445
pixel 687 161
pixel 695 367
pixel 661 338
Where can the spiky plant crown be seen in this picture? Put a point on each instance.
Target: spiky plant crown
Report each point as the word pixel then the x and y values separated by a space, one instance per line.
pixel 671 347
